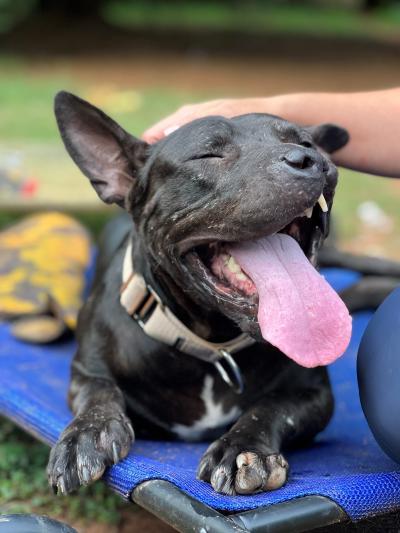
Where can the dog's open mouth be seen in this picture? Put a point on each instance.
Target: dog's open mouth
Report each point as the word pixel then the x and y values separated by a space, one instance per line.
pixel 298 312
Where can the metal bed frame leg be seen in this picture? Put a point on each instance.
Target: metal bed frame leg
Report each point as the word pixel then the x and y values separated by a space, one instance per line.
pixel 187 515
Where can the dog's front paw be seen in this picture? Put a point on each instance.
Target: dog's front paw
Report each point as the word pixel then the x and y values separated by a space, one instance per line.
pixel 233 470
pixel 86 447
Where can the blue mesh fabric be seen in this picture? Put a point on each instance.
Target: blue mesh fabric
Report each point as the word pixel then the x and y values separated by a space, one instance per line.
pixel 345 464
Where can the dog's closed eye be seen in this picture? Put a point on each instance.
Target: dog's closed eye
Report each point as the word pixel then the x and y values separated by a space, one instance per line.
pixel 209 155
pixel 306 144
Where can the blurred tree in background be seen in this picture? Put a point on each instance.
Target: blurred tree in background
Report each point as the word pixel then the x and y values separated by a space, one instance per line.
pixel 13 12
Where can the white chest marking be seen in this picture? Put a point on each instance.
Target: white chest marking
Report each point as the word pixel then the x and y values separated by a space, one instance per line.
pixel 213 417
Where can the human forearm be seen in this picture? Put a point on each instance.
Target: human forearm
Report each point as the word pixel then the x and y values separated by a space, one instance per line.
pixel 371 118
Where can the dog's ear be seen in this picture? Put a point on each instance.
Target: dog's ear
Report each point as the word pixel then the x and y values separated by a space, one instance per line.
pixel 108 155
pixel 329 137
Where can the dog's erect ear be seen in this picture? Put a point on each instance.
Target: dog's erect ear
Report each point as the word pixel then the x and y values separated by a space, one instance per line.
pixel 329 137
pixel 108 155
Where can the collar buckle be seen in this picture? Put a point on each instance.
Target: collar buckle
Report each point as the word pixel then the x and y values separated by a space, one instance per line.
pixel 144 310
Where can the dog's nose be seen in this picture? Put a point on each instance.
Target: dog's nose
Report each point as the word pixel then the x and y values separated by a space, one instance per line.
pixel 299 159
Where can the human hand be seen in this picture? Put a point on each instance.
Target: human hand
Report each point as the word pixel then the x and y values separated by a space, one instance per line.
pixel 225 107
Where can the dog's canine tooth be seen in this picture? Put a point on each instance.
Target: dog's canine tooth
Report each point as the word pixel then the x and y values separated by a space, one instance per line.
pixel 242 276
pixel 322 203
pixel 225 258
pixel 308 212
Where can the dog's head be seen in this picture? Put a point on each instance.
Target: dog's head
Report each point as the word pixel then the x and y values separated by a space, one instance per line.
pixel 214 197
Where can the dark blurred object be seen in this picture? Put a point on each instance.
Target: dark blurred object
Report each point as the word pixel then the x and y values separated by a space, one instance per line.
pixel 379 277
pixel 371 5
pixel 70 8
pixel 30 523
pixel 378 369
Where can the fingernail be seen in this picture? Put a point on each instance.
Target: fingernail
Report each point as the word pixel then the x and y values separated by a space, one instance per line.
pixel 170 130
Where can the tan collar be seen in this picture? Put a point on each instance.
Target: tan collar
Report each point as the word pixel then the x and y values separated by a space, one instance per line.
pixel 158 322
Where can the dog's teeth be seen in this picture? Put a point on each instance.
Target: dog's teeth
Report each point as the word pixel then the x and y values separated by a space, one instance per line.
pixel 308 212
pixel 322 203
pixel 225 258
pixel 233 266
pixel 242 276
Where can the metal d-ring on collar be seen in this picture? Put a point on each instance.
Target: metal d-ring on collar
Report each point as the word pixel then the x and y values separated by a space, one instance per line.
pixel 233 378
pixel 144 305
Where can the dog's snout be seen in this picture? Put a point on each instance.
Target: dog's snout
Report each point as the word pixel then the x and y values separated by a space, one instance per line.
pixel 299 159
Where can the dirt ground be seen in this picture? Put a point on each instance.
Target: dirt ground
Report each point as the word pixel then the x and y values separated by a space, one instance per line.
pixel 198 71
pixel 133 520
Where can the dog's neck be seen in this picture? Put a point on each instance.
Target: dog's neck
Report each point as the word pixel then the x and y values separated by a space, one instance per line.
pixel 154 316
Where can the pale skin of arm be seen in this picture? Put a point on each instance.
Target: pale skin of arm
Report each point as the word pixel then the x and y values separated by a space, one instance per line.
pixel 371 118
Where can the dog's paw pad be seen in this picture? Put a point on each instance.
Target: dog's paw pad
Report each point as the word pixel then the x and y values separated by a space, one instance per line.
pixel 257 472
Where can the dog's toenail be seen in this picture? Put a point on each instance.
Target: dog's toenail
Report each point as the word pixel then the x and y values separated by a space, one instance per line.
pixel 279 472
pixel 61 485
pixel 245 458
pixel 221 480
pixel 115 452
pixel 131 432
pixel 241 461
pixel 202 468
pixel 85 475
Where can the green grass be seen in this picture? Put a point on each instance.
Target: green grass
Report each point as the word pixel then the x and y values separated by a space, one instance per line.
pixel 26 112
pixel 256 17
pixel 13 11
pixel 355 188
pixel 28 126
pixel 26 108
pixel 24 487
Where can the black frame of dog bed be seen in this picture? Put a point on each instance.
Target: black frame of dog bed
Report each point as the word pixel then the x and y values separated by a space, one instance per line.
pixel 185 514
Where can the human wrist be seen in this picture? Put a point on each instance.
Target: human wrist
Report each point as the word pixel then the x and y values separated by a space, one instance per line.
pixel 291 107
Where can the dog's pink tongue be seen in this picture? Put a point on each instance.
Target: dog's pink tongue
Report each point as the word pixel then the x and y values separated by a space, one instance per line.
pixel 298 312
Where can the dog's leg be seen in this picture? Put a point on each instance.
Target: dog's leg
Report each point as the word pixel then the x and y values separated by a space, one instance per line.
pixel 99 435
pixel 248 459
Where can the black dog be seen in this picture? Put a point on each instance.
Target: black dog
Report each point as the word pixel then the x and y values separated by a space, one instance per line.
pixel 213 195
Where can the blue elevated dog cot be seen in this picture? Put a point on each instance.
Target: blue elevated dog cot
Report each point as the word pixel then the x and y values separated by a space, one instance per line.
pixel 343 476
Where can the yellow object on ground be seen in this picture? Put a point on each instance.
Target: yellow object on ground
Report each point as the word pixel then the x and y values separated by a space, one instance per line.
pixel 42 264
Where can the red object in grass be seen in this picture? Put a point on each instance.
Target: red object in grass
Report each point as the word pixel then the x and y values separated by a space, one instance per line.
pixel 29 187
